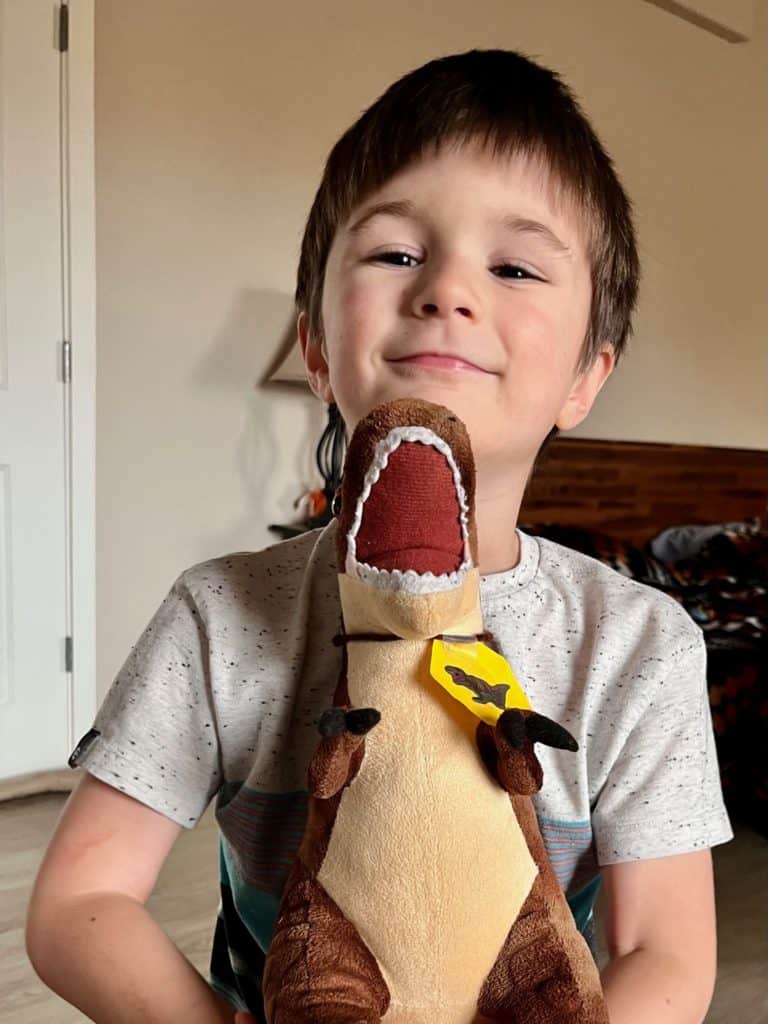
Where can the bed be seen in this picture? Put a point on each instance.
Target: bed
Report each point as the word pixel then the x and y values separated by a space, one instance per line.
pixel 692 521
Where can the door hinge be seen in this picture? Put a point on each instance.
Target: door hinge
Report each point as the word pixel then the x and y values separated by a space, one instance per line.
pixel 63 34
pixel 66 361
pixel 67 653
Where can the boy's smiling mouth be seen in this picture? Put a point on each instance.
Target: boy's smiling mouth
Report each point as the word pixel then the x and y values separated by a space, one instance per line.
pixel 435 359
pixel 440 361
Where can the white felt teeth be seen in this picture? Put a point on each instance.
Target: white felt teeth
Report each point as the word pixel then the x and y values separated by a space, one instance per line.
pixel 395 579
pixel 410 580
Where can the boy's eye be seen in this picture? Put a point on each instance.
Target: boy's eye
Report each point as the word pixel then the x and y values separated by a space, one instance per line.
pixel 395 256
pixel 516 272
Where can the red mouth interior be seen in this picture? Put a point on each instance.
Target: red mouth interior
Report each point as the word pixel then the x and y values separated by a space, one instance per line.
pixel 411 518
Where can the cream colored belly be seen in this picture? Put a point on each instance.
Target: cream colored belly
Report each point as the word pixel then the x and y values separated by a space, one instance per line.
pixel 426 857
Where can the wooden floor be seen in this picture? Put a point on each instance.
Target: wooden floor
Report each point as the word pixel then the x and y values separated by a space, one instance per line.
pixel 186 899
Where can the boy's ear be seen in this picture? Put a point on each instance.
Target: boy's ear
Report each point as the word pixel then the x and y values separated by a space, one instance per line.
pixel 314 354
pixel 585 389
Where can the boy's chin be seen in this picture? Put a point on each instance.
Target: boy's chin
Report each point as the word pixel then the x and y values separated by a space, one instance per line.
pixel 461 397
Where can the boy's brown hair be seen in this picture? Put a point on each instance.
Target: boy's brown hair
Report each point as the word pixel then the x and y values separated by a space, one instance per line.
pixel 516 107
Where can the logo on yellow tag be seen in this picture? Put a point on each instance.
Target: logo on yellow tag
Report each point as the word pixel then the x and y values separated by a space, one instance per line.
pixel 477 677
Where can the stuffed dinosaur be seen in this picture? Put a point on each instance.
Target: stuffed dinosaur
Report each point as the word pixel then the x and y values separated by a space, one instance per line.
pixel 422 892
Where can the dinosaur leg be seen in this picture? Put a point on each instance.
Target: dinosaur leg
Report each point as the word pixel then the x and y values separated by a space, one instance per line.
pixel 545 973
pixel 533 980
pixel 318 969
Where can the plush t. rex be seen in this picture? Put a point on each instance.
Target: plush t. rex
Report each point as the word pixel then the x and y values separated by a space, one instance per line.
pixel 422 893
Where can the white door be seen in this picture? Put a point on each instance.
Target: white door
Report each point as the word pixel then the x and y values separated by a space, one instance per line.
pixel 35 686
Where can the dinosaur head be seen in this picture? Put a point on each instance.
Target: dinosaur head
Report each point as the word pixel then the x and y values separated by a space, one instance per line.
pixel 406 524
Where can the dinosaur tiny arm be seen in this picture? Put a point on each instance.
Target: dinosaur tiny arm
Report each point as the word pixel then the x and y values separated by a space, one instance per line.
pixel 337 758
pixel 515 768
pixel 507 748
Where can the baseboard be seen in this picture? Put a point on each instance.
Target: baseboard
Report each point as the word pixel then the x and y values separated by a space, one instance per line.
pixel 62 780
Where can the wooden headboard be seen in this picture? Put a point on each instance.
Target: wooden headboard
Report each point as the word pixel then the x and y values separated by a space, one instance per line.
pixel 634 490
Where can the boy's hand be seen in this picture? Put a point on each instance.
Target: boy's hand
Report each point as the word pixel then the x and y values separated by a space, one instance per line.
pixel 241 1017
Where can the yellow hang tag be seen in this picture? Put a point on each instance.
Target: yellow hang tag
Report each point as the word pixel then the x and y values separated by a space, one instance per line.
pixel 477 677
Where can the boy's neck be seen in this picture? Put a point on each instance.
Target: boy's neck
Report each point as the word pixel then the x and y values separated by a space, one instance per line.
pixel 497 506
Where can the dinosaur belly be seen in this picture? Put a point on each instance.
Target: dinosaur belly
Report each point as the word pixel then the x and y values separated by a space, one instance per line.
pixel 426 857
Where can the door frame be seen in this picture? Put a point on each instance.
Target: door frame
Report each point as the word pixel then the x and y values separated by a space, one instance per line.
pixel 81 581
pixel 78 325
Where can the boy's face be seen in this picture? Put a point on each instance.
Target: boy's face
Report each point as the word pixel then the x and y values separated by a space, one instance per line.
pixel 410 301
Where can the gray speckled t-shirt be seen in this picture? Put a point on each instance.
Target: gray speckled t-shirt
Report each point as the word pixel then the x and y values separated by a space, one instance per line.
pixel 222 691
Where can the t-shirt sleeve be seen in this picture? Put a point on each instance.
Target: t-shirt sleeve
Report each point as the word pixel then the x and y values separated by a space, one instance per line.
pixel 662 795
pixel 155 734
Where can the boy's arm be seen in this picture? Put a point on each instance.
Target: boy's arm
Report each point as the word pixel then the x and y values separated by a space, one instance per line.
pixel 88 934
pixel 660 932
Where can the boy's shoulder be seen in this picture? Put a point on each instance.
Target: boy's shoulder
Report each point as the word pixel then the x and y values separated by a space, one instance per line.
pixel 608 595
pixel 266 611
pixel 273 573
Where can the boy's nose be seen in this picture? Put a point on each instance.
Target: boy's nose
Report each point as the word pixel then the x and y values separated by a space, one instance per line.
pixel 432 309
pixel 445 292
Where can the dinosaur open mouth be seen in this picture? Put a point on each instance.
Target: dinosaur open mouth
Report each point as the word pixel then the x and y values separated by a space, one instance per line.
pixel 410 526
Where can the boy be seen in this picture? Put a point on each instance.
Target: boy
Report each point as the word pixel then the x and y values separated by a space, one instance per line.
pixel 469 244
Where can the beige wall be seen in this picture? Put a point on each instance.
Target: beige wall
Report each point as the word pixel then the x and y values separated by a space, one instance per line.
pixel 212 126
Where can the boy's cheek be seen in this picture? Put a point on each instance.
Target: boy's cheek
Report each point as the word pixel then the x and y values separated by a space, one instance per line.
pixel 354 332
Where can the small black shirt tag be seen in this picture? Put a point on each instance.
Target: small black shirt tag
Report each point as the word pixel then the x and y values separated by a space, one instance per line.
pixel 85 743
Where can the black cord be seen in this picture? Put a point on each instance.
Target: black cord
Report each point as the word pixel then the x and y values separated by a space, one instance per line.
pixel 329 459
pixel 329 456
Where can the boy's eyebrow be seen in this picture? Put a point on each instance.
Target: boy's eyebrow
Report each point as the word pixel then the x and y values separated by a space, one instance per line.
pixel 522 225
pixel 392 208
pixel 511 222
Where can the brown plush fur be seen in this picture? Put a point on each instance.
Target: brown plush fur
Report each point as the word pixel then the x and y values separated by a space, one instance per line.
pixel 545 972
pixel 321 966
